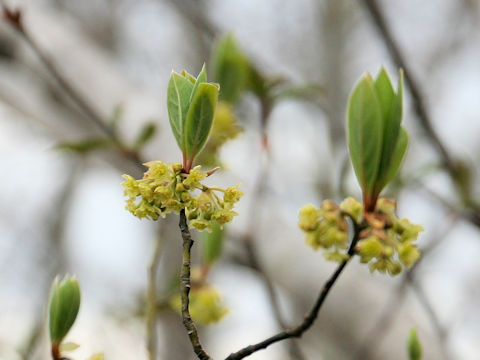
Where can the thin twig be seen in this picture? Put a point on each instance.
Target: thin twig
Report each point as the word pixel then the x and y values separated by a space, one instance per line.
pixel 309 317
pixel 15 20
pixel 151 312
pixel 247 240
pixel 185 289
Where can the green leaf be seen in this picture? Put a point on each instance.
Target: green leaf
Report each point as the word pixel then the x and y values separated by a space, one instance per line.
pixel 304 92
pixel 230 69
pixel 398 155
pixel 365 132
pixel 391 105
pixel 385 93
pixel 63 307
pixel 201 78
pixel 84 146
pixel 414 347
pixel 200 118
pixel 145 135
pixel 178 100
pixel 189 77
pixel 213 244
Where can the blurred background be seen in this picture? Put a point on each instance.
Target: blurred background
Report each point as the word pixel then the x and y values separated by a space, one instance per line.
pixel 85 78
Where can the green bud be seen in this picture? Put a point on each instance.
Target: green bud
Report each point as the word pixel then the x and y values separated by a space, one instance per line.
pixel 63 308
pixel 414 347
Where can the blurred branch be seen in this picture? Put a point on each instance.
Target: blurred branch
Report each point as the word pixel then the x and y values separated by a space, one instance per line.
pixel 441 331
pixel 14 19
pixel 55 255
pixel 152 301
pixel 310 316
pixel 185 289
pixel 417 96
pixel 387 317
pixel 191 11
pixel 255 209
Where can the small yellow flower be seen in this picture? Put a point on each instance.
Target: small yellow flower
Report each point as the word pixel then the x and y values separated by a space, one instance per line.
pixel 205 305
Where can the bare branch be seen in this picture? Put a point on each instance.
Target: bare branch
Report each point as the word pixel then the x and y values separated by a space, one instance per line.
pixel 309 317
pixel 14 18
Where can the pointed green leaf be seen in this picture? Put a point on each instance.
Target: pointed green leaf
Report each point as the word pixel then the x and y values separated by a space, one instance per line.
pixel 391 105
pixel 178 101
pixel 85 146
pixel 385 93
pixel 200 118
pixel 188 76
pixel 365 132
pixel 201 78
pixel 63 307
pixel 398 155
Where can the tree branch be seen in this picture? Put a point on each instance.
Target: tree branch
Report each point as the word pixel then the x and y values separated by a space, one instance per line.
pixel 309 317
pixel 185 289
pixel 14 19
pixel 151 313
pixel 248 240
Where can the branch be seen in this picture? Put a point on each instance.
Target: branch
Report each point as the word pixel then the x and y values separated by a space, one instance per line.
pixel 309 317
pixel 15 19
pixel 185 289
pixel 247 240
pixel 151 313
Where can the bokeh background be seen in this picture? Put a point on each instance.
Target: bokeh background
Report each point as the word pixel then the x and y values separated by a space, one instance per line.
pixel 61 211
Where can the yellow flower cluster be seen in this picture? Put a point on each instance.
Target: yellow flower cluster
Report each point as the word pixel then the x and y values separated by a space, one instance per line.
pixel 165 189
pixel 386 242
pixel 205 304
pixel 325 228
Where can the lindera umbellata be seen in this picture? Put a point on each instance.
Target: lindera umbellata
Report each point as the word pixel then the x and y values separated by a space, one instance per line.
pixel 63 308
pixel 377 145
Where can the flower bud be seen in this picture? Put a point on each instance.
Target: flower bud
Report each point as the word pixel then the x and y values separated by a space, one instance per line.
pixel 63 307
pixel 308 218
pixel 414 347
